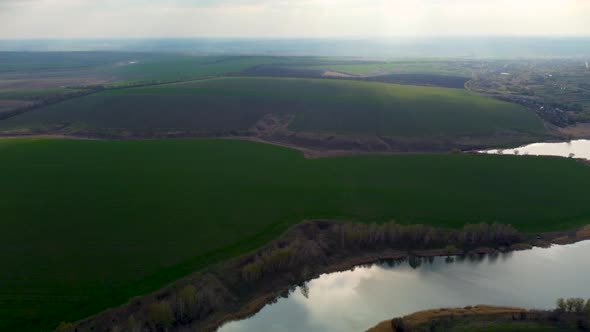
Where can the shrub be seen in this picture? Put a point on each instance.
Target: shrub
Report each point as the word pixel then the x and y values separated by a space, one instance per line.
pixel 187 303
pixel 578 305
pixel 278 259
pixel 132 324
pixel 161 314
pixel 252 271
pixel 573 305
pixel 451 249
pixel 65 327
pixel 561 305
pixel 398 325
pixel 188 295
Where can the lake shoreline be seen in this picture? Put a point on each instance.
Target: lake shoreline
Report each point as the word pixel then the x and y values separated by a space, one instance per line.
pixel 444 319
pixel 574 149
pixel 234 293
pixel 547 240
pixel 309 152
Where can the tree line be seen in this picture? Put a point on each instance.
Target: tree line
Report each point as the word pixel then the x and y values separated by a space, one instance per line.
pixel 574 305
pixel 202 301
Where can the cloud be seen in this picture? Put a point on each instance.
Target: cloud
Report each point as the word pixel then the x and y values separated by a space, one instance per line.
pixel 290 18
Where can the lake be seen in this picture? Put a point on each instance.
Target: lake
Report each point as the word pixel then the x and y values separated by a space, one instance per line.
pixel 577 149
pixel 359 299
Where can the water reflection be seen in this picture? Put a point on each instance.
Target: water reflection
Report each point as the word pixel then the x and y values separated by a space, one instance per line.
pixel 355 300
pixel 574 149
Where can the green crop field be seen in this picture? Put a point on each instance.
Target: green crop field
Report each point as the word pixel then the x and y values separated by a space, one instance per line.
pixel 177 67
pixel 125 65
pixel 86 225
pixel 510 327
pixel 38 62
pixel 43 76
pixel 326 106
pixel 396 66
pixel 34 94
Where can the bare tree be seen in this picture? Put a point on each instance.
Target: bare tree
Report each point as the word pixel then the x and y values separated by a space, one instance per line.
pixel 561 305
pixel 161 314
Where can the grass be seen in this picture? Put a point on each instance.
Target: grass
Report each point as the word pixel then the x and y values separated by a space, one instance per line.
pixel 397 66
pixel 327 106
pixel 178 67
pixel 42 75
pixel 126 65
pixel 34 94
pixel 510 327
pixel 21 62
pixel 359 69
pixel 89 224
pixel 480 318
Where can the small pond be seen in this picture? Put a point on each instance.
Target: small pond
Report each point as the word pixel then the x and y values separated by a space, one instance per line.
pixel 576 149
pixel 356 300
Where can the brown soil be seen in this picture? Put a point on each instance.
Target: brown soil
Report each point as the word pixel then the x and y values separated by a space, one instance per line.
pixel 580 130
pixel 521 247
pixel 274 130
pixel 563 237
pixel 583 233
pixel 475 318
pixel 271 123
pixel 335 74
pixel 423 317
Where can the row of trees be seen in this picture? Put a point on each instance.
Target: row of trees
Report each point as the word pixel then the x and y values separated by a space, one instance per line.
pixel 420 236
pixel 177 308
pixel 344 237
pixel 298 255
pixel 574 305
pixel 185 306
pixel 47 100
pixel 278 259
pixel 189 303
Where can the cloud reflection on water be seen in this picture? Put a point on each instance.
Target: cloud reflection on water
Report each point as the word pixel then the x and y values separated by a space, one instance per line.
pixel 356 300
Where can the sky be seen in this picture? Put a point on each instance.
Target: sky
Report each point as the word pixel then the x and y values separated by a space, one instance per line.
pixel 26 19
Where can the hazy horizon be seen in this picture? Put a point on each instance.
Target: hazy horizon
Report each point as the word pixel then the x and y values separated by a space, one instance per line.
pixel 459 47
pixel 283 19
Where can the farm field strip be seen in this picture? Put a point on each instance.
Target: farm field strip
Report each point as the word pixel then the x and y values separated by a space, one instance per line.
pixel 237 103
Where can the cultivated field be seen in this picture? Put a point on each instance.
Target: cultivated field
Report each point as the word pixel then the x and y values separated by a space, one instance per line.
pixel 89 224
pixel 39 77
pixel 235 106
pixel 555 89
pixel 369 68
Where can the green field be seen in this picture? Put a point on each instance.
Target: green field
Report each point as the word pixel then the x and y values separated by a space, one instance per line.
pixel 510 327
pixel 325 106
pixel 178 67
pixel 39 62
pixel 34 94
pixel 86 225
pixel 397 66
pixel 127 65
